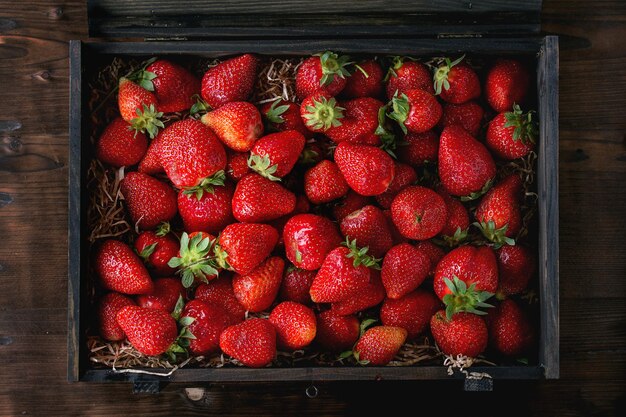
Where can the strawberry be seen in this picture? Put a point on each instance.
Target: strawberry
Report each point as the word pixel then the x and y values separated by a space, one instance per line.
pixel 252 342
pixel 257 290
pixel 416 111
pixel 516 265
pixel 108 308
pixel 191 155
pixel 335 332
pixel 324 183
pixel 420 148
pixel 120 145
pixel 274 156
pixel 209 321
pixel 138 107
pixel 510 330
pixel 220 292
pixel 396 236
pixel 156 249
pixel 368 295
pixel 457 223
pixel 119 269
pixel 379 344
pixel 345 270
pixel 243 246
pixel 237 124
pixel 412 312
pixel 462 334
pixel 418 212
pixel 404 269
pixel 404 175
pixel 295 325
pixel 257 199
pixel 466 168
pixel 368 170
pixel 456 82
pixel 405 75
pixel 507 83
pixel 194 260
pixel 350 203
pixel 150 331
pixel 237 165
pixel 325 73
pixel 173 86
pixel 366 80
pixel 314 152
pixel 148 200
pixel 151 162
pixel 166 293
pixel 282 115
pixel 498 215
pixel 308 239
pixel 229 81
pixel 211 212
pixel 512 134
pixel 467 115
pixel 368 226
pixel 296 285
pixel 434 253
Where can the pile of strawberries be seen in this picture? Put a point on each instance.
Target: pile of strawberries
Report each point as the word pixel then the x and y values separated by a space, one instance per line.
pixel 337 220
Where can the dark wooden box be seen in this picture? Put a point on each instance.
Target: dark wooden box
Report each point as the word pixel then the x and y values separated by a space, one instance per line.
pixel 213 29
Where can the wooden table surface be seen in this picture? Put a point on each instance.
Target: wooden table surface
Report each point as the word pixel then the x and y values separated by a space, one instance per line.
pixel 33 242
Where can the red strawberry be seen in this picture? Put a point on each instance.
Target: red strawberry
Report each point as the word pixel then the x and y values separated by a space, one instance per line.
pixel 194 260
pixel 420 148
pixel 220 292
pixel 296 285
pixel 510 330
pixel 243 246
pixel 350 203
pixel 345 270
pixel 156 249
pixel 211 212
pixel 151 162
pixel 325 73
pixel 456 83
pixel 395 233
pixel 166 293
pixel 173 85
pixel 512 134
pixel 120 145
pixel 378 345
pixel 295 325
pixel 416 111
pixel 369 227
pixel 237 124
pixel 368 295
pixel 252 342
pixel 335 332
pixel 407 75
pixel 434 253
pixel 418 212
pixel 138 107
pixel 229 81
pixel 149 201
pixel 412 312
pixel 462 334
pixel 237 166
pixel 404 269
pixel 121 270
pixel 150 331
pixel 284 115
pixel 507 83
pixel 209 321
pixel 466 168
pixel 191 155
pixel 257 290
pixel 467 115
pixel 404 175
pixel 308 239
pixel 368 170
pixel 457 223
pixel 257 199
pixel 366 80
pixel 108 308
pixel 516 265
pixel 498 214
pixel 274 155
pixel 324 183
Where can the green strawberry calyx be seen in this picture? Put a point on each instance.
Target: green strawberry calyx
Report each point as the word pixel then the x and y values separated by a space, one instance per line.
pixel 195 262
pixel 365 324
pixel 464 299
pixel 147 251
pixel 147 120
pixel 275 113
pixel 495 235
pixel 262 165
pixel 199 106
pixel 440 77
pixel 396 64
pixel 524 124
pixel 163 229
pixel 181 344
pixel 221 256
pixel 400 110
pixel 458 237
pixel 479 193
pixel 333 65
pixel 142 77
pixel 389 142
pixel 359 256
pixel 323 114
pixel 207 184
